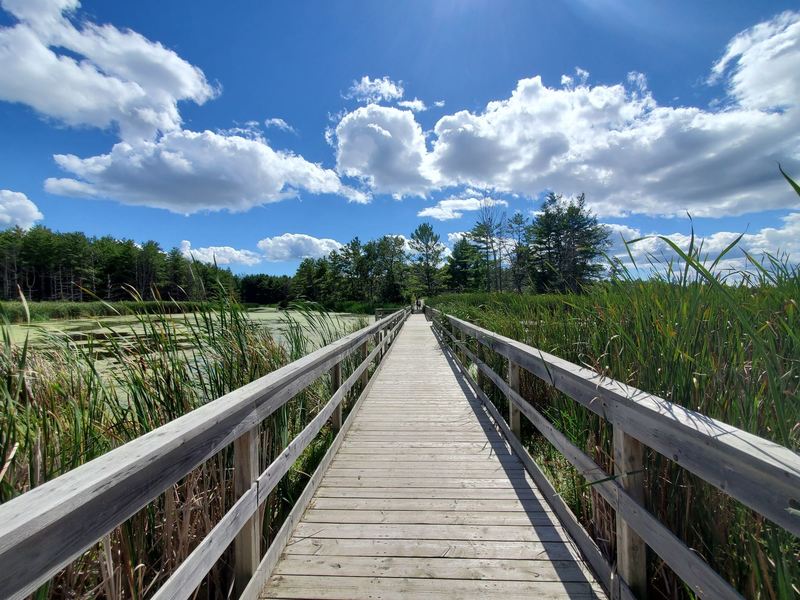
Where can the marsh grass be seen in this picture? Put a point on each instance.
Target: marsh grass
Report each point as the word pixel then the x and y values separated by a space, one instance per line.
pixel 59 411
pixel 724 344
pixel 18 312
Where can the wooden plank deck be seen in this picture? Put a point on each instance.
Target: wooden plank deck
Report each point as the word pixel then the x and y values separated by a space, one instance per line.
pixel 425 500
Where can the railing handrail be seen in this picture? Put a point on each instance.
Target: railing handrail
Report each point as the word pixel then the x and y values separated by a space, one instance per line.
pixel 761 474
pixel 47 527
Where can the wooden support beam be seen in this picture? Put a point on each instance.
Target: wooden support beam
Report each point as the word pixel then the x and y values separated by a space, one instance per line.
pixel 514 422
pixel 365 375
pixel 631 549
pixel 336 383
pixel 247 545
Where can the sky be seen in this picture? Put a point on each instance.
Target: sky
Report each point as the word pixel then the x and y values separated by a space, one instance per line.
pixel 259 133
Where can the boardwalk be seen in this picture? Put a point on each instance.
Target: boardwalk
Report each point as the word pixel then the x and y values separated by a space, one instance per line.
pixel 422 493
pixel 425 499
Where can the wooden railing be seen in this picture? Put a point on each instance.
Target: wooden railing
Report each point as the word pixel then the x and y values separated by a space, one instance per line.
pixel 758 473
pixel 48 527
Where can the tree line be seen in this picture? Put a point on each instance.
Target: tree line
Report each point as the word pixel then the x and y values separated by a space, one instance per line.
pixel 49 265
pixel 560 249
pixel 556 250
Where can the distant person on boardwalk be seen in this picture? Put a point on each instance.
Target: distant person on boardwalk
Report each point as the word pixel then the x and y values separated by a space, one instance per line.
pixel 419 304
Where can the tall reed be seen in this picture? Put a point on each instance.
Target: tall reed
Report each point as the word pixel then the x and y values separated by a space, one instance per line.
pixel 59 410
pixel 723 344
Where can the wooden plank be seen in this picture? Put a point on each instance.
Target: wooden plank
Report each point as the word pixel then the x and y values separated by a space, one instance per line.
pixel 427 482
pixel 247 545
pixel 191 572
pixel 514 422
pixel 508 493
pixel 391 588
pixel 280 540
pixel 421 456
pixel 434 568
pixel 631 549
pixel 456 471
pixel 430 517
pixel 567 518
pixel 44 529
pixel 456 549
pixel 388 506
pixel 336 383
pixel 430 504
pixel 505 533
pixel 480 463
pixel 759 473
pixel 685 562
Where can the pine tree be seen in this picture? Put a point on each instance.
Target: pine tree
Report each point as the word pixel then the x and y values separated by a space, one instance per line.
pixel 566 242
pixel 428 249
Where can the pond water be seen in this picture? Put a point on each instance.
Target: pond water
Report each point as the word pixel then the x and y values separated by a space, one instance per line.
pixel 100 333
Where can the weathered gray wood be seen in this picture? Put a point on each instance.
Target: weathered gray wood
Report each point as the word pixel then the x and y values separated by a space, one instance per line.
pixel 190 574
pixel 761 474
pixel 631 549
pixel 456 549
pixel 508 493
pixel 559 506
pixel 688 565
pixel 430 517
pixel 44 529
pixel 365 374
pixel 281 465
pixel 247 545
pixel 336 383
pixel 477 533
pixel 398 588
pixel 433 568
pixel 428 504
pixel 278 544
pixel 514 422
pixel 383 504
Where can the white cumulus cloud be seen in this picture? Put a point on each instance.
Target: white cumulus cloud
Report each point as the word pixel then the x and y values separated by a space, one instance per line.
pixel 762 64
pixel 295 246
pixel 187 172
pixel 454 208
pixel 93 74
pixel 380 89
pixel 279 123
pixel 416 105
pixel 628 152
pixel 222 255
pixel 385 147
pixel 17 210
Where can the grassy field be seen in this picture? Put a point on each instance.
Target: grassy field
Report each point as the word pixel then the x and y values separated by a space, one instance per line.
pixel 60 409
pixel 19 312
pixel 731 351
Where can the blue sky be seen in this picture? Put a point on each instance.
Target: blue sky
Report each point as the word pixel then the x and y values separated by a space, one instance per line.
pixel 159 120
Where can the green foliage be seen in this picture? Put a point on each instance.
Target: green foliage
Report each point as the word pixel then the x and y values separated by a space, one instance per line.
pixel 265 289
pixel 566 243
pixel 48 265
pixel 363 275
pixel 728 349
pixel 428 250
pixel 58 411
pixel 17 312
pixel 463 268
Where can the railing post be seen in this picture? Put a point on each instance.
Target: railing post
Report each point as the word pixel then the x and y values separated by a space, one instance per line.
pixel 513 412
pixel 381 335
pixel 336 383
pixel 364 354
pixel 631 549
pixel 247 545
